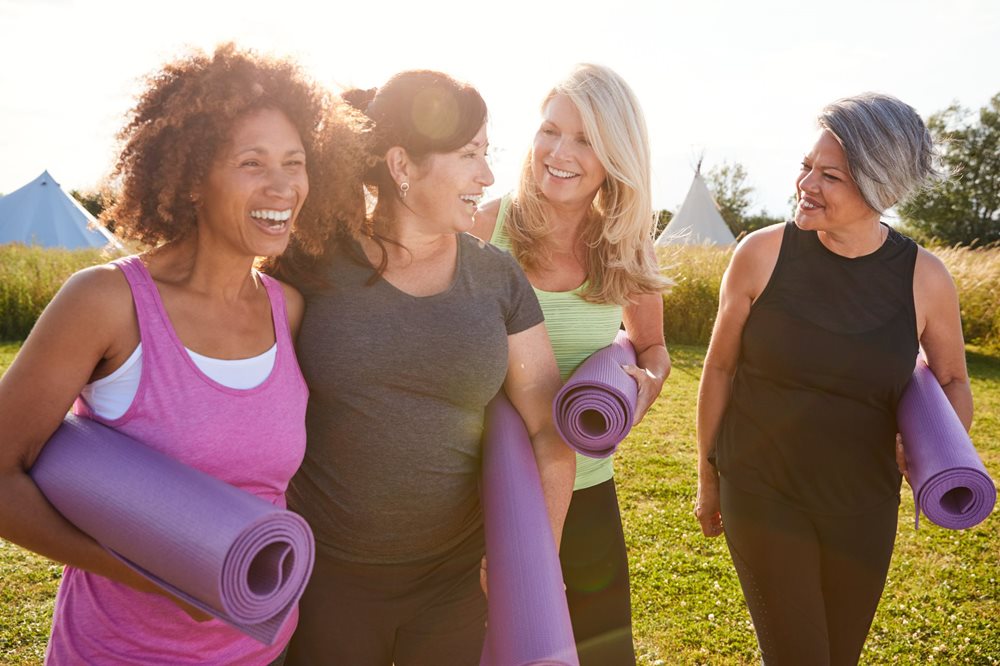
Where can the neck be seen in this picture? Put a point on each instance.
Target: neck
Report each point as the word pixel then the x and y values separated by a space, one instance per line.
pixel 565 223
pixel 857 240
pixel 193 262
pixel 409 240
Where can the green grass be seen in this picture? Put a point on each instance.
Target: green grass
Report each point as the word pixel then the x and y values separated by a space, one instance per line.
pixel 941 604
pixel 30 277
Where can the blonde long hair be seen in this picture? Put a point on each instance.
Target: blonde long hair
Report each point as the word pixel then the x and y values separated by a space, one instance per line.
pixel 620 223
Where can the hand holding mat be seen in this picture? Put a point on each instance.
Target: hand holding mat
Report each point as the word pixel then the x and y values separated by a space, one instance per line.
pixel 528 618
pixel 593 411
pixel 950 484
pixel 221 549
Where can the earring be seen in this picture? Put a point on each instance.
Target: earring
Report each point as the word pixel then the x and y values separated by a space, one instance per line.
pixel 404 187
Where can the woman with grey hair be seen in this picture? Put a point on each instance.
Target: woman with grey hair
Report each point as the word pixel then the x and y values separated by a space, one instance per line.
pixel 820 321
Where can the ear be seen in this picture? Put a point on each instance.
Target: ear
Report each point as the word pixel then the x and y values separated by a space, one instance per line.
pixel 400 166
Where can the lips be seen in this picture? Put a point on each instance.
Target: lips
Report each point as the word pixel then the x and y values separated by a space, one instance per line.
pixel 270 220
pixel 808 204
pixel 559 173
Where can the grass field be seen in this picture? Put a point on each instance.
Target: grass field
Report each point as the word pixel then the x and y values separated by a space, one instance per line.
pixel 941 604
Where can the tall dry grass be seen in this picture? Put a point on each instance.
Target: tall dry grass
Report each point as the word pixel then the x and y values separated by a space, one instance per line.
pixel 690 306
pixel 30 277
pixel 977 275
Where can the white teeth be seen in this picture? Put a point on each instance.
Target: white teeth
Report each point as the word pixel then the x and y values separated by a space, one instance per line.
pixel 559 173
pixel 471 198
pixel 806 204
pixel 272 215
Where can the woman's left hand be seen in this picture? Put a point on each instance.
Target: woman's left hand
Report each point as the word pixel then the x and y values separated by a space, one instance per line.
pixel 901 458
pixel 649 389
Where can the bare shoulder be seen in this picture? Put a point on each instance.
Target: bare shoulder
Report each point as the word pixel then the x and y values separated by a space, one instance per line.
pixel 486 220
pixel 99 294
pixel 754 260
pixel 930 273
pixel 763 240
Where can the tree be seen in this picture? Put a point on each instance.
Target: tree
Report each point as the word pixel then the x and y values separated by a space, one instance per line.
pixel 732 193
pixel 663 218
pixel 95 201
pixel 964 206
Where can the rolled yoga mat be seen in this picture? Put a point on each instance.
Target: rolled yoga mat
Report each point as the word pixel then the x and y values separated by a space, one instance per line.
pixel 528 618
pixel 225 551
pixel 950 483
pixel 594 409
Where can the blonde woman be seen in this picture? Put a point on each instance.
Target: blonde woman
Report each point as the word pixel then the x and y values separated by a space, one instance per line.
pixel 580 225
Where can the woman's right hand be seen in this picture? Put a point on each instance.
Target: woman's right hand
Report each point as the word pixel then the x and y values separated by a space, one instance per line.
pixel 707 506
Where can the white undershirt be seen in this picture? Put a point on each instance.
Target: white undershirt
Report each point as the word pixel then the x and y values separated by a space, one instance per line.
pixel 110 397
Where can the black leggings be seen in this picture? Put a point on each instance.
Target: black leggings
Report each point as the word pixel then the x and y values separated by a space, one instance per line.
pixel 595 570
pixel 812 582
pixel 426 613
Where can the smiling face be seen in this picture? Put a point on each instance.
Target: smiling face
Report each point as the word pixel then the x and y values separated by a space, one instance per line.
pixel 829 199
pixel 447 187
pixel 256 185
pixel 565 166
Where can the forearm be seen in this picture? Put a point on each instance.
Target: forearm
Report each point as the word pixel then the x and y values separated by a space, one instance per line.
pixel 656 361
pixel 27 519
pixel 713 398
pixel 959 394
pixel 557 469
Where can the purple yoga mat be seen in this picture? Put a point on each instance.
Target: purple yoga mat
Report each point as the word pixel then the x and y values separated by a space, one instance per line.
pixel 225 551
pixel 594 409
pixel 950 484
pixel 528 618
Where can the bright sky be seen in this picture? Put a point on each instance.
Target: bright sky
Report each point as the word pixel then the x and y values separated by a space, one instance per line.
pixel 739 81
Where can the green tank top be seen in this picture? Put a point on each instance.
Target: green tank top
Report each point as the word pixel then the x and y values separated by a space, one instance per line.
pixel 577 329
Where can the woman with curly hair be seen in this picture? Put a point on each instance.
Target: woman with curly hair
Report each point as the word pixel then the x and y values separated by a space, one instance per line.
pixel 581 226
pixel 417 327
pixel 184 347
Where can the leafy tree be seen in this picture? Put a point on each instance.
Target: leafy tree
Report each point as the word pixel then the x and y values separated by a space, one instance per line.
pixel 760 220
pixel 95 201
pixel 729 186
pixel 964 207
pixel 663 218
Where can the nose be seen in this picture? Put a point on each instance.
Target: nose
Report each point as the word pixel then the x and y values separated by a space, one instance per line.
pixel 279 183
pixel 559 148
pixel 808 181
pixel 485 175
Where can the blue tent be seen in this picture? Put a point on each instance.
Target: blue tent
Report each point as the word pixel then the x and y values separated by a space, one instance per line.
pixel 40 213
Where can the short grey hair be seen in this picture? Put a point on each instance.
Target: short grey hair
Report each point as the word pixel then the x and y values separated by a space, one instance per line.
pixel 889 151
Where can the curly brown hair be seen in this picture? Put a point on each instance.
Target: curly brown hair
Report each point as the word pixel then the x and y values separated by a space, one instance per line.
pixel 186 115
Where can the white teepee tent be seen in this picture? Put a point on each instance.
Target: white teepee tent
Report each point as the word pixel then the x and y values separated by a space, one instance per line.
pixel 40 213
pixel 698 220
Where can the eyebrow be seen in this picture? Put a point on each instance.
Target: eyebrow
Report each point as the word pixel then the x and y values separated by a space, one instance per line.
pixel 262 150
pixel 824 167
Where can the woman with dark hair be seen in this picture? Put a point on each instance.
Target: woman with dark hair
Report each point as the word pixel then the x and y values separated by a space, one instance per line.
pixel 416 327
pixel 820 322
pixel 186 347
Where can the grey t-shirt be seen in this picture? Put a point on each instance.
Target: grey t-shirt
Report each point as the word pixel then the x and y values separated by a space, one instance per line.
pixel 398 385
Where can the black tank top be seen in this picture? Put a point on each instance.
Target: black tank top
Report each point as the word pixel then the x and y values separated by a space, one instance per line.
pixel 826 352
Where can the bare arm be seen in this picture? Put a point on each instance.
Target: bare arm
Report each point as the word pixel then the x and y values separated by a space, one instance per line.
pixel 532 383
pixel 744 280
pixel 940 332
pixel 644 325
pixel 79 332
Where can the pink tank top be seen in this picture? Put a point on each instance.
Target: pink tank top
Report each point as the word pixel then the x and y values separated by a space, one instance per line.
pixel 251 438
